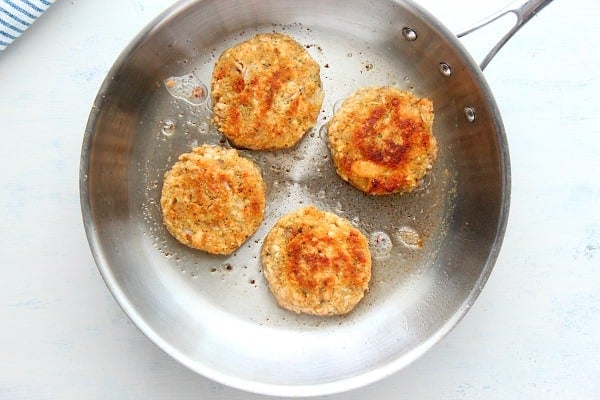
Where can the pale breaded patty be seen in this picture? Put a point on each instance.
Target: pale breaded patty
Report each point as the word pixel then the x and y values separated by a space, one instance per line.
pixel 266 92
pixel 316 262
pixel 213 199
pixel 381 140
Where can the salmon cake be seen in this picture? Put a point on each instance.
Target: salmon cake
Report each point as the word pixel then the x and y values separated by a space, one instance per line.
pixel 213 199
pixel 266 92
pixel 381 140
pixel 316 263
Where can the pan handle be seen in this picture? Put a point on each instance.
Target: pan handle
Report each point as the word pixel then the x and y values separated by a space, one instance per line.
pixel 523 10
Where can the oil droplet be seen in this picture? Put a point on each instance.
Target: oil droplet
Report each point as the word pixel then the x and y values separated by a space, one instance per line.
pixel 445 69
pixel 187 88
pixel 409 237
pixel 470 114
pixel 337 105
pixel 409 34
pixel 203 126
pixel 380 245
pixel 427 180
pixel 406 79
pixel 323 132
pixel 168 127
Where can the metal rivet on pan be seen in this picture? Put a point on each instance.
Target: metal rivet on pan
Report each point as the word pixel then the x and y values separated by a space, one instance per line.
pixel 409 34
pixel 445 69
pixel 469 114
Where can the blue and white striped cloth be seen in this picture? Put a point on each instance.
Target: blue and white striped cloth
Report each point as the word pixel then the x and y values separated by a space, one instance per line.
pixel 17 15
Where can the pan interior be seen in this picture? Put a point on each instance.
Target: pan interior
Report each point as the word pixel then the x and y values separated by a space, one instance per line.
pixel 432 248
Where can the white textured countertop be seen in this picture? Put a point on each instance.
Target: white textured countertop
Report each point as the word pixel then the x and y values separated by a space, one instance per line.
pixel 532 334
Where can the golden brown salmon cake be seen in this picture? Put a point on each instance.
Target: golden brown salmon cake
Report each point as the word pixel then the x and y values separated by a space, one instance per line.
pixel 213 199
pixel 316 262
pixel 266 92
pixel 381 140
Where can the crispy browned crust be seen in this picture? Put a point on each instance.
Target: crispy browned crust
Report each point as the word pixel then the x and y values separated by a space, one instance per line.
pixel 316 263
pixel 213 199
pixel 266 92
pixel 381 140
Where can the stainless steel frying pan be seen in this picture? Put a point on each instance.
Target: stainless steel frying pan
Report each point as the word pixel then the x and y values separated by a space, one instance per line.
pixel 433 249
